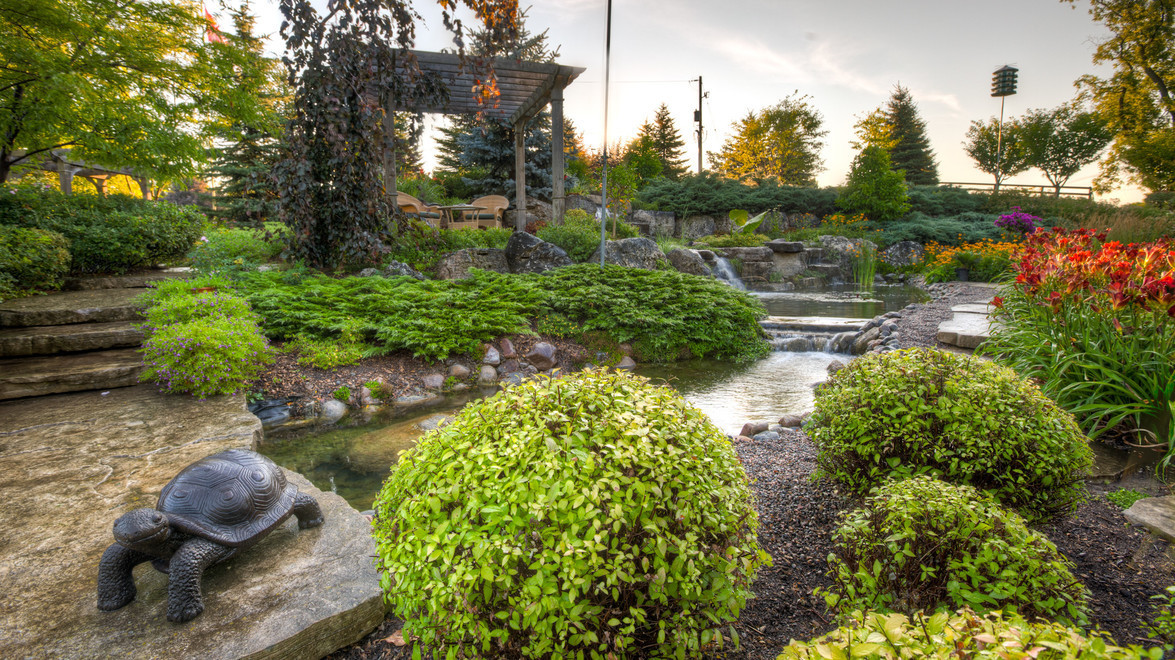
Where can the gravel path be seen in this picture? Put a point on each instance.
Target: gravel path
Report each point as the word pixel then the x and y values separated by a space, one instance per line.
pixel 919 322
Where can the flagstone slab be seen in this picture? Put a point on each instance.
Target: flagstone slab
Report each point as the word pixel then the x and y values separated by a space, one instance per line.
pixel 72 338
pixel 75 372
pixel 97 306
pixel 71 464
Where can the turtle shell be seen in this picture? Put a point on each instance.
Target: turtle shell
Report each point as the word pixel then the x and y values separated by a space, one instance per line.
pixel 233 498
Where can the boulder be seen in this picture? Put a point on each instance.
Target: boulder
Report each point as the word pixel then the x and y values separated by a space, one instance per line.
pixel 653 223
pixel 752 269
pixel 791 421
pixel 707 255
pixel 781 246
pixel 370 272
pixel 861 343
pixel 766 436
pixel 630 252
pixel 509 366
pixel 696 226
pixel 789 264
pixel 688 261
pixel 366 398
pixel 456 265
pixel 626 364
pixel 332 411
pixel 843 251
pixel 1156 514
pixel 508 349
pixel 745 254
pixel 751 429
pixel 399 269
pixel 459 371
pixel 904 253
pixel 434 382
pixel 527 253
pixel 542 356
pixel 487 376
pixel 835 365
pixel 588 203
pixel 492 357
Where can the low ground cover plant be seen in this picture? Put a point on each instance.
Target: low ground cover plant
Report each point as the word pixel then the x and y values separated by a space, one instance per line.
pixel 200 341
pixel 31 260
pixel 1124 498
pixel 963 634
pixel 732 240
pixel 111 234
pixel 921 544
pixel 958 418
pixel 593 515
pixel 1094 322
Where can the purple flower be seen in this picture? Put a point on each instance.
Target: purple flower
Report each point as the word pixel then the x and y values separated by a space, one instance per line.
pixel 1018 221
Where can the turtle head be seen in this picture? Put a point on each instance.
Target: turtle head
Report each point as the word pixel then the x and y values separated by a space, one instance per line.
pixel 142 529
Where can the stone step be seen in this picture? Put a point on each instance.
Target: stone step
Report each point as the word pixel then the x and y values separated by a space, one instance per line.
pixel 135 281
pixel 821 324
pixel 72 338
pixel 965 330
pixel 78 372
pixel 97 306
pixel 813 254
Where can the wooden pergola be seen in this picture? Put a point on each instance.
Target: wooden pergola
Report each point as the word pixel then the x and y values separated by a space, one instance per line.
pixel 525 89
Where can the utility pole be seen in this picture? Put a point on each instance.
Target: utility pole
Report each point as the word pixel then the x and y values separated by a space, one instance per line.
pixel 698 118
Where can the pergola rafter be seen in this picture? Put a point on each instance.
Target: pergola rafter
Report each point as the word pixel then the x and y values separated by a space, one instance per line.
pixel 525 88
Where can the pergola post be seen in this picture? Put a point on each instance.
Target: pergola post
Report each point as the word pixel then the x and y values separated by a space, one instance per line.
pixel 558 201
pixel 65 177
pixel 520 175
pixel 390 173
pixel 99 184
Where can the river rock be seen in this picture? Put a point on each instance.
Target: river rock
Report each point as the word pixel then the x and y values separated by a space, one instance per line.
pixel 492 357
pixel 527 253
pixel 332 411
pixel 835 366
pixel 399 269
pixel 766 436
pixel 297 594
pixel 435 382
pixel 456 265
pixel 751 429
pixel 509 366
pixel 861 343
pixel 791 421
pixel 542 356
pixel 904 253
pixel 366 398
pixel 487 376
pixel 626 364
pixel 508 349
pixel 459 371
pixel 688 261
pixel 630 252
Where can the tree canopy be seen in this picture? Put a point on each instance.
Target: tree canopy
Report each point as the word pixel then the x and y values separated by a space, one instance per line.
pixel 1136 98
pixel 911 151
pixel 999 158
pixel 782 141
pixel 122 83
pixel 1061 141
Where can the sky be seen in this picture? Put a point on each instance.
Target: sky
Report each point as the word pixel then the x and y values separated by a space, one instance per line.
pixel 845 55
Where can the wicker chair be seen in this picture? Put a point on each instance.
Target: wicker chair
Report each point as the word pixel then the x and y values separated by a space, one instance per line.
pixel 493 213
pixel 411 205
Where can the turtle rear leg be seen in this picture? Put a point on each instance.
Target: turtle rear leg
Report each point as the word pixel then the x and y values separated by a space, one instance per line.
pixel 307 510
pixel 186 570
pixel 116 582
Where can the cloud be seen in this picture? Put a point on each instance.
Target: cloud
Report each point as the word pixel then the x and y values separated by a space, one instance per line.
pixel 756 56
pixel 949 100
pixel 832 71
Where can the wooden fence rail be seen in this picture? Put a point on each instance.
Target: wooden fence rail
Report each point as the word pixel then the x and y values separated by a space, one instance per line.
pixel 1038 188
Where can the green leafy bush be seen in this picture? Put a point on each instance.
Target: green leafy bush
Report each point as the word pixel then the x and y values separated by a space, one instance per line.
pixel 945 200
pixel 169 310
pixel 460 239
pixel 949 230
pixel 111 234
pixel 961 419
pixel 579 235
pixel 921 544
pixel 874 188
pixel 1163 625
pixel 1124 498
pixel 206 356
pixel 342 394
pixel 711 194
pixel 326 353
pixel 587 516
pixel 234 251
pixel 735 240
pixel 31 259
pixel 964 634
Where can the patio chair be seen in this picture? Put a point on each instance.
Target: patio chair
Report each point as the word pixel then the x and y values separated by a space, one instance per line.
pixel 411 205
pixel 490 216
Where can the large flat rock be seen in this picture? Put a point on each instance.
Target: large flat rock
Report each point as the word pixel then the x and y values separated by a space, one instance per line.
pixel 135 280
pixel 965 330
pixel 78 372
pixel 98 306
pixel 1156 514
pixel 831 324
pixel 73 463
pixel 982 309
pixel 50 339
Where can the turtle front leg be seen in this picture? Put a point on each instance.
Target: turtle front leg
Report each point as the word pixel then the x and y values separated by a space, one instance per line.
pixel 184 601
pixel 116 582
pixel 307 510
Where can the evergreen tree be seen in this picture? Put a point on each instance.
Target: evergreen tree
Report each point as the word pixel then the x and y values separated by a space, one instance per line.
pixel 911 152
pixel 643 159
pixel 409 128
pixel 249 130
pixel 665 140
pixel 874 187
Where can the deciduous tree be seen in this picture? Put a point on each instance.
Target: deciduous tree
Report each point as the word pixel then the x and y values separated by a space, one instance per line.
pixel 1000 158
pixel 1061 141
pixel 873 130
pixel 874 187
pixel 782 141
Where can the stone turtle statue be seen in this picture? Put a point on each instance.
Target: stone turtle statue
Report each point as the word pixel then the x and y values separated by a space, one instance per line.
pixel 211 510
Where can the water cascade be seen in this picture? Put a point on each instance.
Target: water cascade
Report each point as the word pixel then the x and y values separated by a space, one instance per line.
pixel 811 333
pixel 724 271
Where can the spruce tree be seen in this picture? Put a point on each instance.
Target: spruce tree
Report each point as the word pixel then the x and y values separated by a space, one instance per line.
pixel 911 152
pixel 665 140
pixel 249 139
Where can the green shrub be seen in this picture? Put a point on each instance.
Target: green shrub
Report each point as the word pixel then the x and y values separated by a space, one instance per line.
pixel 1163 625
pixel 342 394
pixel 874 188
pixel 587 516
pixel 460 239
pixel 921 544
pixel 233 251
pixel 1064 211
pixel 206 356
pixel 169 310
pixel 952 230
pixel 964 634
pixel 945 200
pixel 961 419
pixel 711 194
pixel 31 259
pixel 326 353
pixel 735 240
pixel 579 235
pixel 111 234
pixel 1124 498
pixel 1162 199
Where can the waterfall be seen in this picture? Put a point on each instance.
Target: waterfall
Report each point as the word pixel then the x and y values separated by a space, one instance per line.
pixel 725 272
pixel 811 333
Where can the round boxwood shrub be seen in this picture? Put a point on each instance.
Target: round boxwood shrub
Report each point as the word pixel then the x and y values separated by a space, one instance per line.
pixel 585 516
pixel 961 419
pixel 965 634
pixel 922 544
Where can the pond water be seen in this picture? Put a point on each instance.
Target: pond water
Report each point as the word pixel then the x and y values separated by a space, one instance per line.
pixel 354 461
